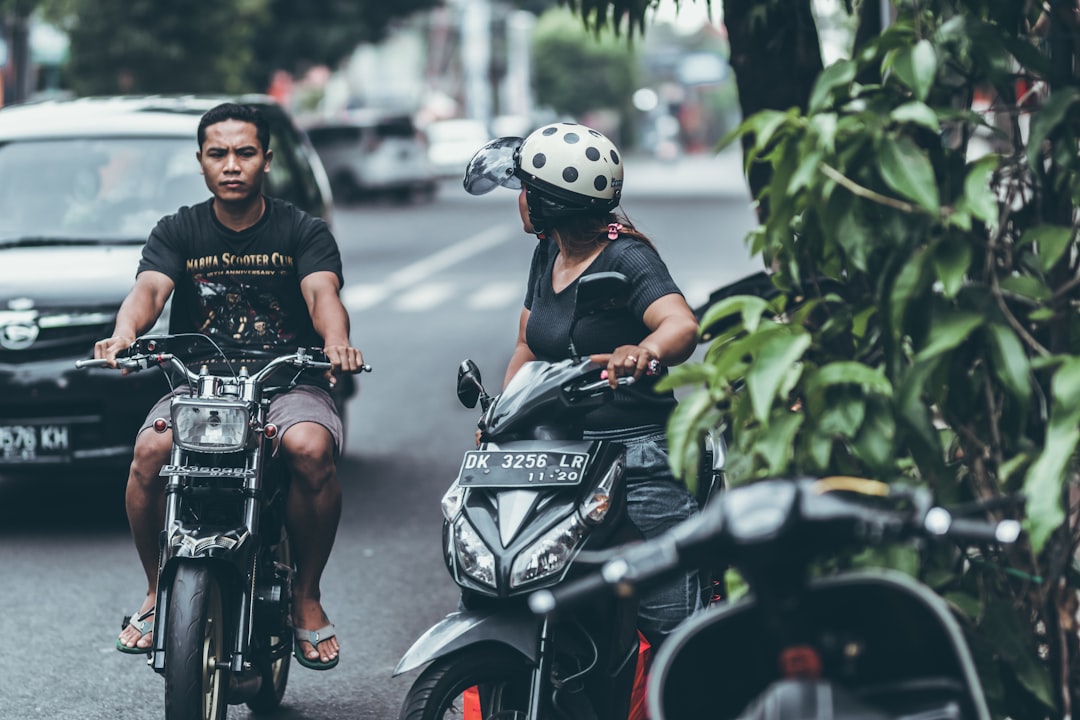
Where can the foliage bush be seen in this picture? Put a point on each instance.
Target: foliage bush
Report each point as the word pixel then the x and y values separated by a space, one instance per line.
pixel 923 322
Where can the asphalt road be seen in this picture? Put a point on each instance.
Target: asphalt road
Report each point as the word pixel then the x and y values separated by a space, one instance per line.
pixel 427 286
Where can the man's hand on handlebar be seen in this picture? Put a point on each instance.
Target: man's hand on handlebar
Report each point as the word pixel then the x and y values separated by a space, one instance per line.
pixel 345 359
pixel 108 349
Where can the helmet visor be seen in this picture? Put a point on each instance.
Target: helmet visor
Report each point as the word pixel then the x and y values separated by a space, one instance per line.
pixel 493 166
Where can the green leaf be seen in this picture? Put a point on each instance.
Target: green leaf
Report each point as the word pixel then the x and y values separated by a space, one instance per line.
pixel 839 74
pixel 874 442
pixel 951 259
pixel 978 195
pixel 1050 243
pixel 685 428
pixel 906 168
pixel 917 113
pixel 750 306
pixel 771 365
pixel 947 331
pixel 804 174
pixel 1045 478
pixel 1026 286
pixel 1050 115
pixel 850 373
pixel 841 418
pixel 764 124
pixel 1011 362
pixel 916 67
pixel 775 447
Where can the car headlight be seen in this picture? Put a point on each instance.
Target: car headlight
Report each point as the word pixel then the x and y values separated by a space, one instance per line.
pixel 207 426
pixel 550 554
pixel 473 556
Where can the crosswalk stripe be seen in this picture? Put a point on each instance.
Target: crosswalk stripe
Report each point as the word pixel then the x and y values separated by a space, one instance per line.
pixel 496 295
pixel 424 297
pixel 361 297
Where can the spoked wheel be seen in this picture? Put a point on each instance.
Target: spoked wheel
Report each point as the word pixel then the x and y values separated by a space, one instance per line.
pixel 275 648
pixel 195 689
pixel 478 683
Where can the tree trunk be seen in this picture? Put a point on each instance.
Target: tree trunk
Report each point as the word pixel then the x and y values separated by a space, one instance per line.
pixel 776 56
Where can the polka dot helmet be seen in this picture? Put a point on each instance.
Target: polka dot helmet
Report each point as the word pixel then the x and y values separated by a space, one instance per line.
pixel 573 166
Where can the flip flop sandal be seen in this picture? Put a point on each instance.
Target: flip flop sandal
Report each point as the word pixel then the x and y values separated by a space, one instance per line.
pixel 140 623
pixel 314 637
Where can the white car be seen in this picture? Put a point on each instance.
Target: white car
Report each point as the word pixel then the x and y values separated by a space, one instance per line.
pixel 452 144
pixel 373 152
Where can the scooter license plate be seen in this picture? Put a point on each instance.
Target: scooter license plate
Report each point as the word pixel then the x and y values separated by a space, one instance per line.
pixel 495 468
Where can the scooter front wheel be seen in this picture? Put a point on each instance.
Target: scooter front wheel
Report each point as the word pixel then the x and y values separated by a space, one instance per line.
pixel 481 682
pixel 195 688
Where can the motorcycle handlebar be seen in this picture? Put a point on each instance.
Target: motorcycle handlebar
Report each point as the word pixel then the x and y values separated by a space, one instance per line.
pixel 709 535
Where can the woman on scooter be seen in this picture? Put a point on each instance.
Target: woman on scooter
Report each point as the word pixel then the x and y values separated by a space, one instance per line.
pixel 570 177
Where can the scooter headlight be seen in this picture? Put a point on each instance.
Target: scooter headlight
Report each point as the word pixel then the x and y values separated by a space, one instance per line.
pixel 550 554
pixel 209 426
pixel 473 556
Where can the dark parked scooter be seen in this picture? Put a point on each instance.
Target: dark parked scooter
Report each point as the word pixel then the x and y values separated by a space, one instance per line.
pixel 868 644
pixel 525 511
pixel 223 622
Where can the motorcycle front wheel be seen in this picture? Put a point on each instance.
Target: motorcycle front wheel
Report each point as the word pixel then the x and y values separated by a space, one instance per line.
pixel 194 640
pixel 477 683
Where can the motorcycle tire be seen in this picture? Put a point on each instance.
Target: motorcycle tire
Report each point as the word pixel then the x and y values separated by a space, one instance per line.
pixel 275 672
pixel 498 680
pixel 194 640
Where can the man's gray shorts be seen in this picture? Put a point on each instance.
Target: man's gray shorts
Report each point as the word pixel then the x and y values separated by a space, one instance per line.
pixel 304 403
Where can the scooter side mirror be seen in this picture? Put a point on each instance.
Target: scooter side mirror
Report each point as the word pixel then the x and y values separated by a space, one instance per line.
pixel 469 387
pixel 596 293
pixel 599 292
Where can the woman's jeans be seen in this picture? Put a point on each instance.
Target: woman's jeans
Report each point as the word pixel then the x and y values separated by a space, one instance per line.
pixel 657 502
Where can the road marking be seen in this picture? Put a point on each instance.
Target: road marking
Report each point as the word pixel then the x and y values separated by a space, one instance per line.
pixel 496 295
pixel 424 297
pixel 359 297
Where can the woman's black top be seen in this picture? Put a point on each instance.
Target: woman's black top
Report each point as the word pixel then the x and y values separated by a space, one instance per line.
pixel 548 330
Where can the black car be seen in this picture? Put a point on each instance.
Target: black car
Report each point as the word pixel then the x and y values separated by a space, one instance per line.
pixel 84 182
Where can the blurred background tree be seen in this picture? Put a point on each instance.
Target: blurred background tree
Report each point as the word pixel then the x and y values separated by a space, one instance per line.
pixel 578 72
pixel 204 45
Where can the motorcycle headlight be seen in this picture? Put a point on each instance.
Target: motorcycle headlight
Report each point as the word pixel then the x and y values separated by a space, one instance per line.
pixel 208 426
pixel 550 554
pixel 473 556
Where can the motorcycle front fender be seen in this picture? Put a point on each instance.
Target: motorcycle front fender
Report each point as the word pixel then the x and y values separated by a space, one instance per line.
pixel 518 629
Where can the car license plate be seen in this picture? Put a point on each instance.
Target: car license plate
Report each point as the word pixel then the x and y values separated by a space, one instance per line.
pixel 34 443
pixel 491 468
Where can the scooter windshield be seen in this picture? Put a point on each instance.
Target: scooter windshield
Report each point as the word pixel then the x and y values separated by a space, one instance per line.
pixel 493 166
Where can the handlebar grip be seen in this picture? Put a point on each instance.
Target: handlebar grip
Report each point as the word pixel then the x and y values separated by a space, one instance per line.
pixel 545 602
pixel 940 521
pixel 92 362
pixel 1006 531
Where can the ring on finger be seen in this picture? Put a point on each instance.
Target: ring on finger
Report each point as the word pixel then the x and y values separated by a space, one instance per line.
pixel 631 359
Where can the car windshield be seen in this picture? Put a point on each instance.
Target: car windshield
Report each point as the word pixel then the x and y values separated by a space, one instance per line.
pixel 94 189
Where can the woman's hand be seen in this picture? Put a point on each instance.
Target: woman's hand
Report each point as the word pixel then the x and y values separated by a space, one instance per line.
pixel 628 360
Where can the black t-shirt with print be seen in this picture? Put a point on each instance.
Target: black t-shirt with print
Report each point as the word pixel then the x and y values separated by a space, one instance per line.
pixel 242 288
pixel 548 330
